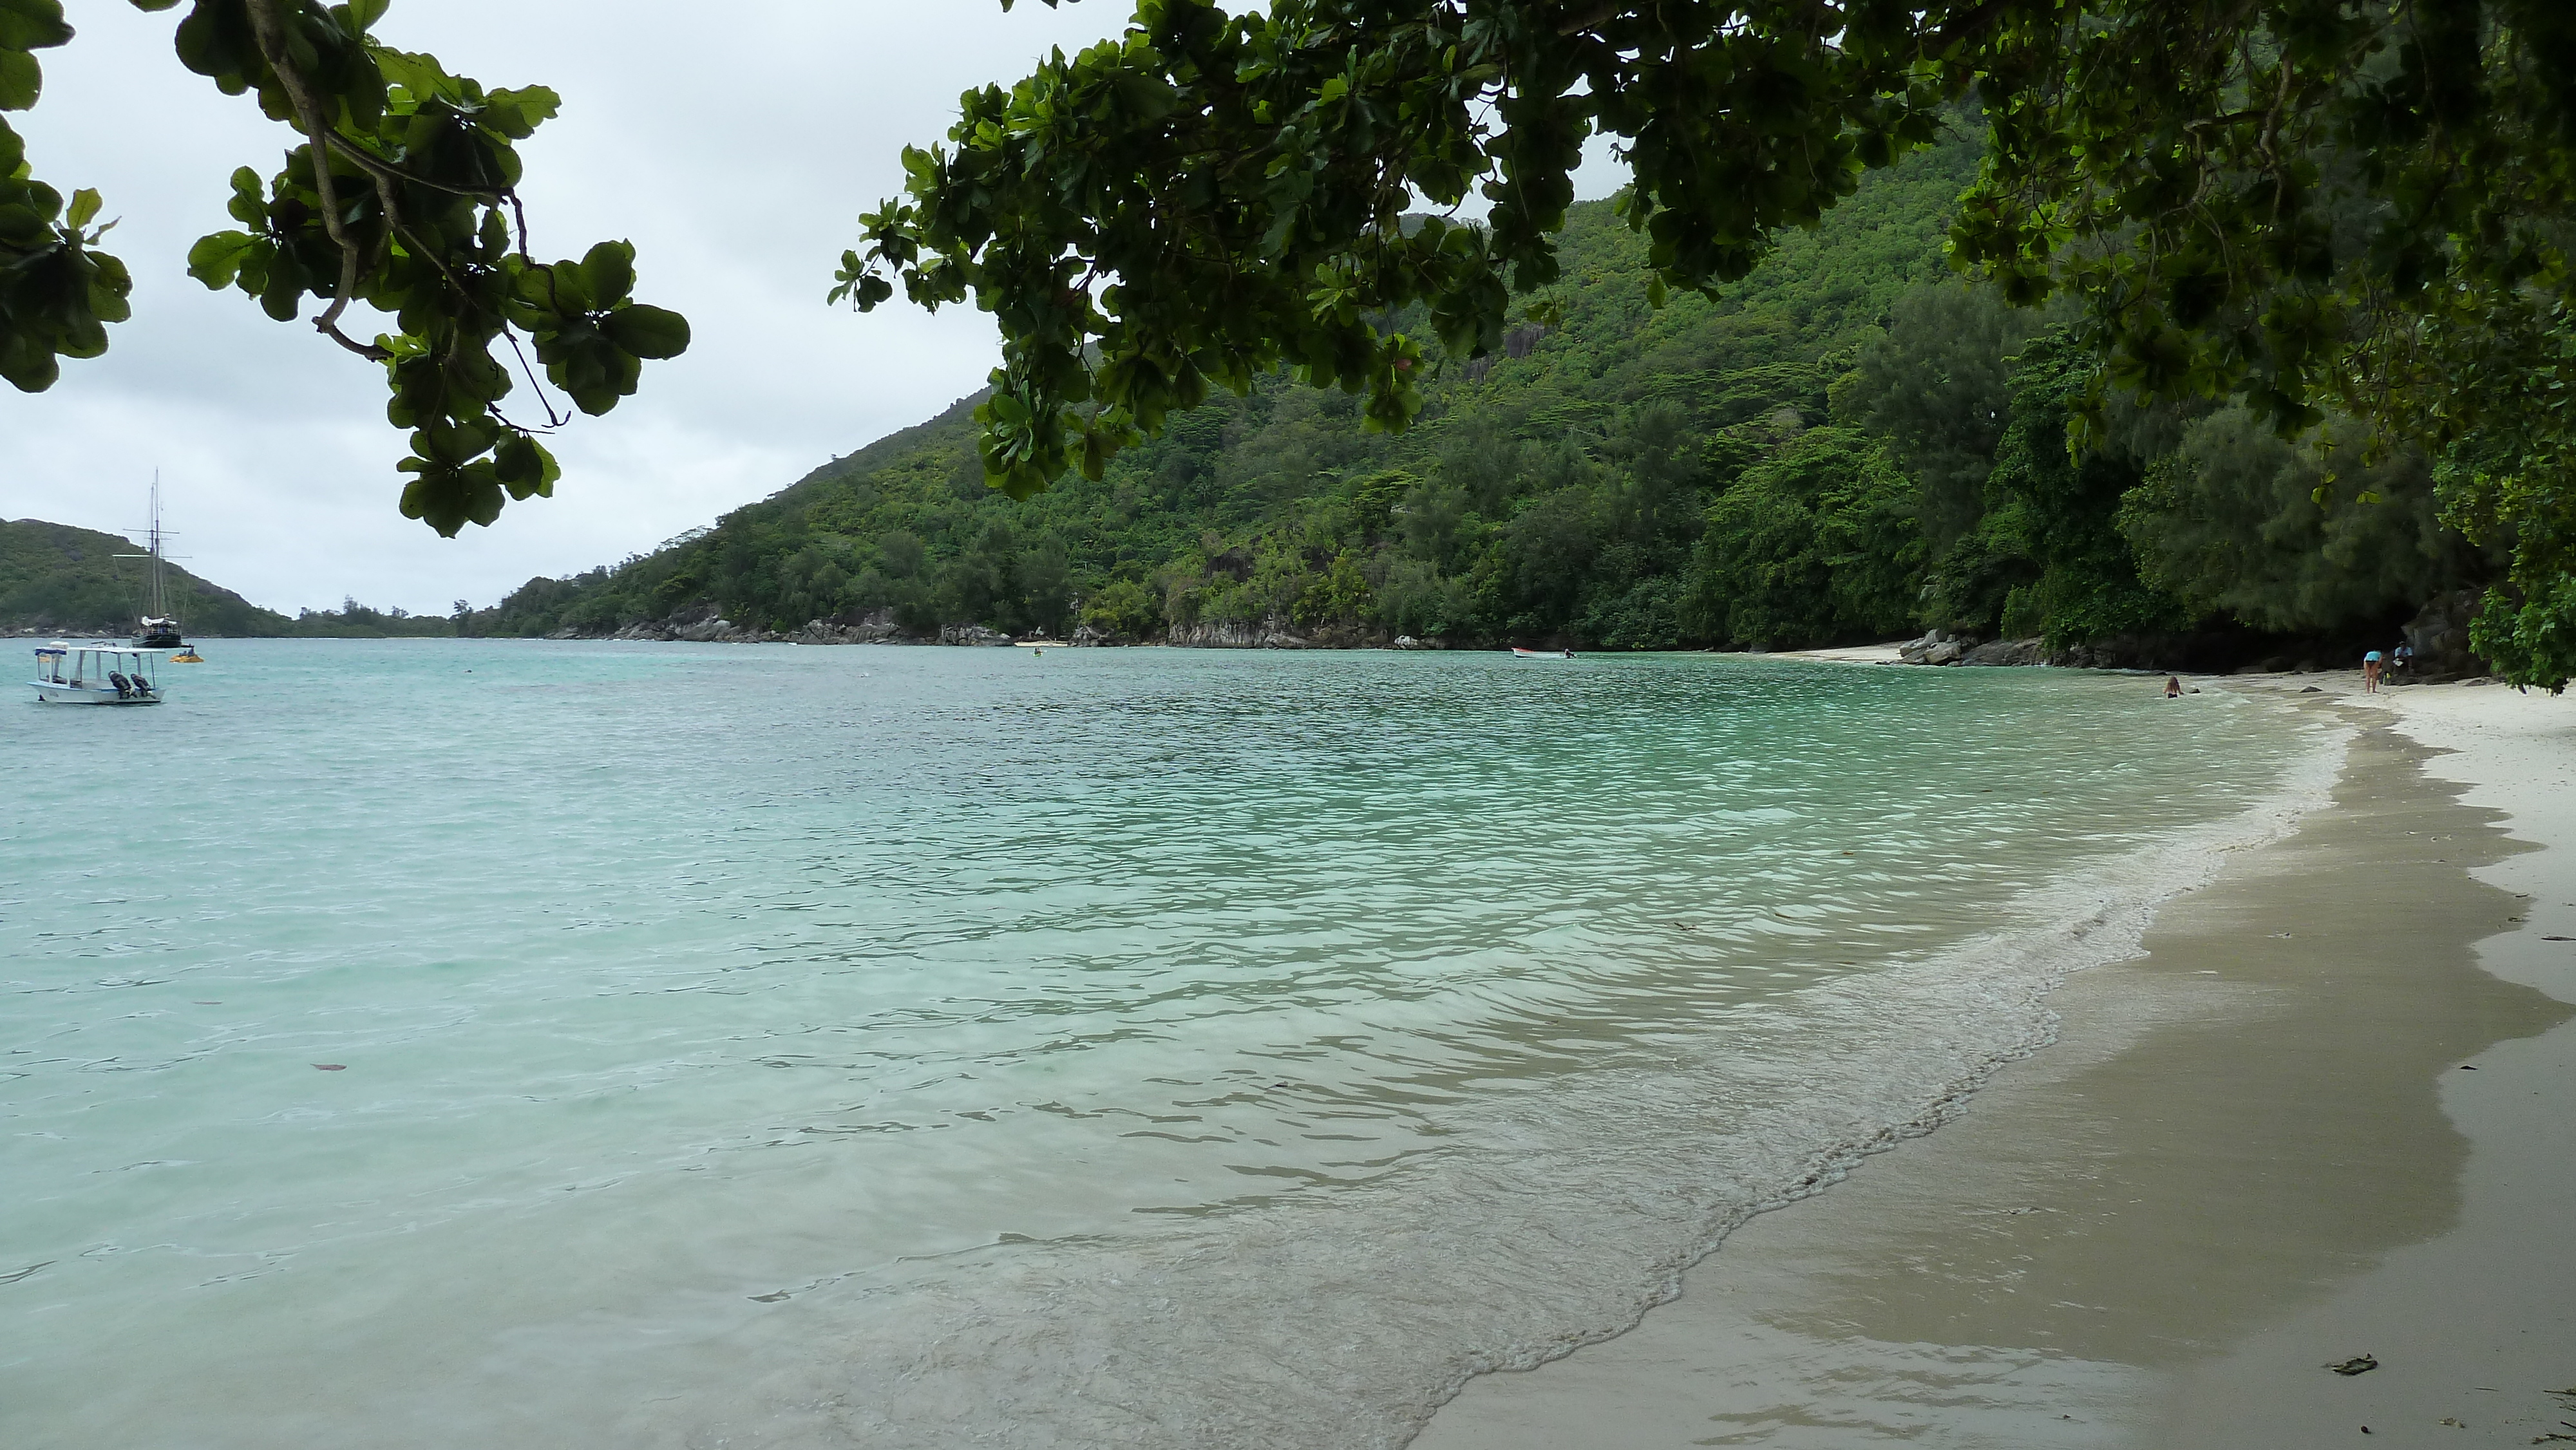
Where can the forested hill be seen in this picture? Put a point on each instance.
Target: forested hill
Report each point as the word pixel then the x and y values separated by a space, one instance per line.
pixel 1847 444
pixel 56 579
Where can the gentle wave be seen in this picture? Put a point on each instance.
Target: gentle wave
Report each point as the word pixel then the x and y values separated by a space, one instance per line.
pixel 1555 1217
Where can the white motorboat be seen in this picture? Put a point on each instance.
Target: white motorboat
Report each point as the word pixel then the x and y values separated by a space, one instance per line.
pixel 96 674
pixel 1520 653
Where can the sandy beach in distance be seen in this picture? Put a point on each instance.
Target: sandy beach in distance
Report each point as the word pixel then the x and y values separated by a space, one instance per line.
pixel 2329 1113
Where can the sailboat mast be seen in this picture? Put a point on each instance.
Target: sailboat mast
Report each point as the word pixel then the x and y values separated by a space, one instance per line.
pixel 160 605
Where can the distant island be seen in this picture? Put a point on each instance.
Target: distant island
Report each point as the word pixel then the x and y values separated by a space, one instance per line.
pixel 56 579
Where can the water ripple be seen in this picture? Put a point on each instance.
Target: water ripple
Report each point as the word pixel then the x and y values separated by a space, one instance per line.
pixel 663 981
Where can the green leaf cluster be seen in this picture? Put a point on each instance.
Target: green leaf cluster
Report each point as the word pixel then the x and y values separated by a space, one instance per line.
pixel 1819 542
pixel 401 195
pixel 2056 510
pixel 2293 535
pixel 1210 196
pixel 2321 211
pixel 57 291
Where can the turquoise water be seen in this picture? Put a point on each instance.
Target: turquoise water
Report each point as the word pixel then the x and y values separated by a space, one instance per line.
pixel 530 1043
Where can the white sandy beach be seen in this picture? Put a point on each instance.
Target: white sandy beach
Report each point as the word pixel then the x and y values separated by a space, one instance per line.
pixel 2329 1112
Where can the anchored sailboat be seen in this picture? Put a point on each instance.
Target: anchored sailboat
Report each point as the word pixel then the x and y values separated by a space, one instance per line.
pixel 159 626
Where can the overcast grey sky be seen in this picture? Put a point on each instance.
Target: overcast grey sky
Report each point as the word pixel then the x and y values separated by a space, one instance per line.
pixel 736 153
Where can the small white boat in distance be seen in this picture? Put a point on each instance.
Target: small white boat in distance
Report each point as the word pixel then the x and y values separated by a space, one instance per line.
pixel 96 674
pixel 1519 653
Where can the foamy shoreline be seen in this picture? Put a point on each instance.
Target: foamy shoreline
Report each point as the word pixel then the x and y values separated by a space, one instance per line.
pixel 2337 1185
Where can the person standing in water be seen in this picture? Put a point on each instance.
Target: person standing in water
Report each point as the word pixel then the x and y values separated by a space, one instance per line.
pixel 2370 673
pixel 2173 687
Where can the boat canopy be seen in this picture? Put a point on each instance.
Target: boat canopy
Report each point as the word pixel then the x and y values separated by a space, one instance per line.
pixel 83 673
pixel 54 660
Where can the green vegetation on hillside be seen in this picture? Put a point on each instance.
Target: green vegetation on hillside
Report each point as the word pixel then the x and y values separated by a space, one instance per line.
pixel 2308 210
pixel 400 192
pixel 58 579
pixel 1849 444
pixel 353 620
pixel 1559 490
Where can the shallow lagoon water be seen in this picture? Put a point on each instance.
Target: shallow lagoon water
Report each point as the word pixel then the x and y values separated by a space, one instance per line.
pixel 783 1045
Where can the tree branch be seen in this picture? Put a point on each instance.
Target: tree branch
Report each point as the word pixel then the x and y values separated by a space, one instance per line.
pixel 1588 17
pixel 270 33
pixel 384 170
pixel 552 422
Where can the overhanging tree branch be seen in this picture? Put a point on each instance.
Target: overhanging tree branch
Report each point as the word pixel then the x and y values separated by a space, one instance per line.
pixel 271 34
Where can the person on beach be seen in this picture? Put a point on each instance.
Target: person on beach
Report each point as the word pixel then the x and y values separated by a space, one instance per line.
pixel 2173 687
pixel 2370 673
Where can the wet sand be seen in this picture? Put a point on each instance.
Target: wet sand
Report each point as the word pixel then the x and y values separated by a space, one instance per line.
pixel 2331 1111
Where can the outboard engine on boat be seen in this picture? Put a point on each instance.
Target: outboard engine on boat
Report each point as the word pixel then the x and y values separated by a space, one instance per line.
pixel 124 686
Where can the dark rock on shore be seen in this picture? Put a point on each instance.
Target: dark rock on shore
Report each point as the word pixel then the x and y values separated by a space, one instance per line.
pixel 2439 635
pixel 871 628
pixel 1276 632
pixel 2006 652
pixel 1936 647
pixel 1940 647
pixel 1238 634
